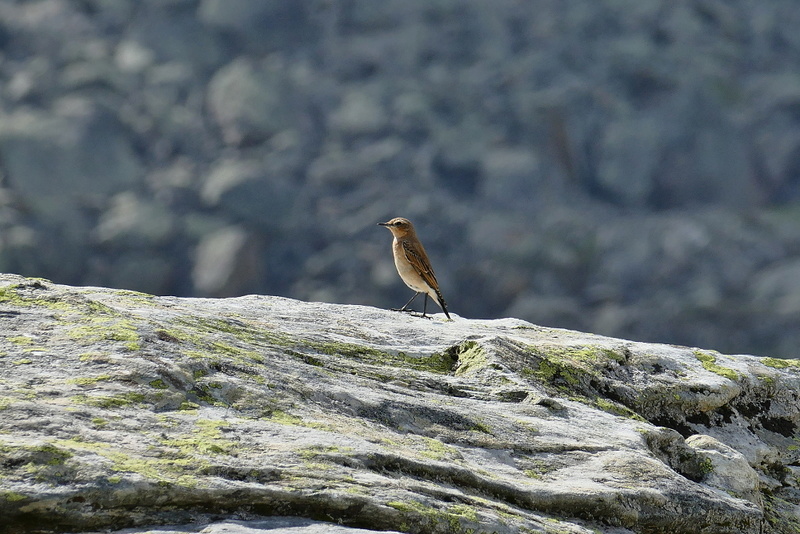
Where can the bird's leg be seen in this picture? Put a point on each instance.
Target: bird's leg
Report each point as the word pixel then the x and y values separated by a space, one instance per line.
pixel 425 306
pixel 405 308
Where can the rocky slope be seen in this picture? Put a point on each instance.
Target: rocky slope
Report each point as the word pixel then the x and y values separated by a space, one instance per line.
pixel 622 167
pixel 121 409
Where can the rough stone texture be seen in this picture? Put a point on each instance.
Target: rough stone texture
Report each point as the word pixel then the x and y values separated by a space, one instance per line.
pixel 121 409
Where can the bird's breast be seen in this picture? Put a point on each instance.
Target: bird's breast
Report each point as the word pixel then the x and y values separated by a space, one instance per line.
pixel 406 270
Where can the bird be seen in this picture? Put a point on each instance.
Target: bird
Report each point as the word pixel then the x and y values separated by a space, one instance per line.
pixel 413 264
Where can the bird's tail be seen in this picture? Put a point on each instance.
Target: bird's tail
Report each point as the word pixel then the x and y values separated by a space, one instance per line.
pixel 442 303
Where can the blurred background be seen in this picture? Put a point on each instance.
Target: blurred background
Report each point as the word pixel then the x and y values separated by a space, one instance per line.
pixel 622 167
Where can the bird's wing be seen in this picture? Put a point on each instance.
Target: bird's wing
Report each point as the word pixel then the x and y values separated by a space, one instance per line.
pixel 417 257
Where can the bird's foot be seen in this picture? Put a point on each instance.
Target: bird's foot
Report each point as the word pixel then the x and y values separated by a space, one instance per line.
pixel 412 312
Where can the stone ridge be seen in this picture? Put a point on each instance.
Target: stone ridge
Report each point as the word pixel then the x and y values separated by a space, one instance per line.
pixel 122 410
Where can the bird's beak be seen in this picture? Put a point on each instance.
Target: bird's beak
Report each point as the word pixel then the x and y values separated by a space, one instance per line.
pixel 383 224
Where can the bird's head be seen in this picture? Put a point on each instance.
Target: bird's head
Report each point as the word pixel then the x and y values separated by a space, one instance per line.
pixel 399 226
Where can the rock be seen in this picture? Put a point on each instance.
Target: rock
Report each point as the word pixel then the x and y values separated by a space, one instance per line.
pixel 250 101
pixel 227 262
pixel 264 25
pixel 359 113
pixel 630 160
pixel 124 410
pixel 173 37
pixel 276 525
pixel 135 222
pixel 85 146
pixel 774 288
pixel 727 468
pixel 248 190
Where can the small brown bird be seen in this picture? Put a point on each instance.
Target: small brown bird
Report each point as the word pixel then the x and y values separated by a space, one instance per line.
pixel 413 264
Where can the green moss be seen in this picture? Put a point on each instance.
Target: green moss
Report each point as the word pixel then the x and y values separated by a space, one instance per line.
pixel 20 340
pixel 206 438
pixel 109 401
pixel 480 426
pixel 161 466
pixel 98 308
pixel 471 357
pixel 93 356
pixel 12 496
pixel 709 362
pixel 283 418
pixel 88 380
pixel 188 406
pixel 779 363
pixel 315 451
pixel 13 295
pixel 198 328
pixel 158 384
pixel 462 510
pixel 706 466
pixel 538 469
pixel 205 346
pixel 47 455
pixel 570 368
pixel 23 361
pixel 137 297
pixel 105 329
pixel 449 520
pixel 435 363
pixel 169 471
pixel 766 380
pixel 436 450
pixel 615 408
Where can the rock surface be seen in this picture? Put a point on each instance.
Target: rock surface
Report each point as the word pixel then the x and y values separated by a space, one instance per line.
pixel 124 410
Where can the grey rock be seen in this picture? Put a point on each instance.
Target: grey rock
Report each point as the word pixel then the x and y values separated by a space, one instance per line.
pixel 265 25
pixel 630 160
pixel 250 101
pixel 226 262
pixel 250 191
pixel 86 147
pixel 133 222
pixel 728 468
pixel 124 410
pixel 360 112
pixel 774 288
pixel 275 525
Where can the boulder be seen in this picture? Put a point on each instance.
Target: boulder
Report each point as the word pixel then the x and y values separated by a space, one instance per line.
pixel 250 101
pixel 227 262
pixel 85 146
pixel 249 190
pixel 124 410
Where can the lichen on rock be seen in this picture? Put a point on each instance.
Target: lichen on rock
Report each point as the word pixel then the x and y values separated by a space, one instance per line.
pixel 135 410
